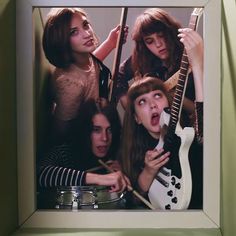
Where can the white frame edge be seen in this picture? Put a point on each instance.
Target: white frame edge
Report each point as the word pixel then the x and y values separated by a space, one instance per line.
pixel 29 217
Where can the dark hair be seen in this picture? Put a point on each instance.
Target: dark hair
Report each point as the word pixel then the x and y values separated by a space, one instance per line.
pixel 83 127
pixel 56 36
pixel 155 20
pixel 135 136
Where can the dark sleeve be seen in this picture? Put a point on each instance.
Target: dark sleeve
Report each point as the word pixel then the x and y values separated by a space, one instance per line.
pixel 190 89
pixel 198 121
pixel 104 78
pixel 121 85
pixel 56 169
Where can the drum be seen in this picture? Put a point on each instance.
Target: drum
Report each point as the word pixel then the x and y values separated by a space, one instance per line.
pixel 84 197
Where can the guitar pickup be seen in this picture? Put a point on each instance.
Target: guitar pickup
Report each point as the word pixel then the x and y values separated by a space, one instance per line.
pixel 164 172
pixel 162 181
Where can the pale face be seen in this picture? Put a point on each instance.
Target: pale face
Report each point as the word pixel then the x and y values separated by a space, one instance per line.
pixel 148 108
pixel 101 136
pixel 157 45
pixel 81 35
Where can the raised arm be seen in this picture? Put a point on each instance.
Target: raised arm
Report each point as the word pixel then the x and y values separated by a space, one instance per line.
pixel 110 43
pixel 193 44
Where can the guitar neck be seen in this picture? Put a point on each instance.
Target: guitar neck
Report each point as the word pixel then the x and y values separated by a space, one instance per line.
pixel 176 106
pixel 118 51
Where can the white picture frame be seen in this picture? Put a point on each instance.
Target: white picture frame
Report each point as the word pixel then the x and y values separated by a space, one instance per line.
pixel 30 217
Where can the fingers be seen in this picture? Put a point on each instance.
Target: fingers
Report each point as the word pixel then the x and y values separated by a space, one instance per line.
pixel 190 38
pixel 114 165
pixel 153 154
pixel 162 160
pixel 193 44
pixel 155 159
pixel 126 32
pixel 114 33
pixel 117 181
pixel 116 29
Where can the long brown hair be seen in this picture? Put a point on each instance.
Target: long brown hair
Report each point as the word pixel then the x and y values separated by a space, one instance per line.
pixel 134 136
pixel 56 36
pixel 82 127
pixel 155 20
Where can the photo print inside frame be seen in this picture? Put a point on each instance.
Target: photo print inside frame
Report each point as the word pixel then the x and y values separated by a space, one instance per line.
pixel 42 74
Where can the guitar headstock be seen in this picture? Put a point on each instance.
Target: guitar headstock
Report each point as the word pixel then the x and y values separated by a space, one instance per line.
pixel 198 11
pixel 195 16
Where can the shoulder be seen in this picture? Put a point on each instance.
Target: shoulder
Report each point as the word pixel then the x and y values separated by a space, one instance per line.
pixel 100 64
pixel 68 78
pixel 63 149
pixel 57 155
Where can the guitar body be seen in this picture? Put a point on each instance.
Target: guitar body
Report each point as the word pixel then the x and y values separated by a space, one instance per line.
pixel 172 187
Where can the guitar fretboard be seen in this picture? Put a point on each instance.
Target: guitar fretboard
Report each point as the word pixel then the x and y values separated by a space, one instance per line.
pixel 176 106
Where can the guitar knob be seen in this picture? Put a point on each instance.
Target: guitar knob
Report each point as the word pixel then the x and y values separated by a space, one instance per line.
pixel 167 207
pixel 174 200
pixel 178 185
pixel 173 181
pixel 170 193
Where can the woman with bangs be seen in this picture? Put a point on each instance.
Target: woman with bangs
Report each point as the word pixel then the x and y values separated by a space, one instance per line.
pixel 159 44
pixel 140 159
pixel 70 44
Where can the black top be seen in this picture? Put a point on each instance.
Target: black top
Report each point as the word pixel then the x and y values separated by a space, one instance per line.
pixel 126 74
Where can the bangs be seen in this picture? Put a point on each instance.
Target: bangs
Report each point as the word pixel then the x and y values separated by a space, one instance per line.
pixel 146 85
pixel 145 26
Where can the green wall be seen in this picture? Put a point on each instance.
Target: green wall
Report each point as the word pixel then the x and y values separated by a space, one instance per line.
pixel 8 170
pixel 228 209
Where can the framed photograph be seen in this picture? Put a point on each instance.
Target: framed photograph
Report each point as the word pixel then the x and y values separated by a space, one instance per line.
pixel 30 123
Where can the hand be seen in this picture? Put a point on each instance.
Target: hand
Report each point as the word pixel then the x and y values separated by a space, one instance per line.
pixel 116 180
pixel 193 44
pixel 114 165
pixel 114 34
pixel 155 159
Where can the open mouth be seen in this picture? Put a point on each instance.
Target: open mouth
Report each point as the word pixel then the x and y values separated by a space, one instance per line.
pixel 102 149
pixel 89 43
pixel 155 119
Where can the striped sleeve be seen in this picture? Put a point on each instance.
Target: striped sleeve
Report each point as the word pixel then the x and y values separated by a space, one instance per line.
pixel 56 169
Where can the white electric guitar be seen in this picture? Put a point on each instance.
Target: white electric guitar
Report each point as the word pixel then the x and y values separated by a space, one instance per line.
pixel 171 189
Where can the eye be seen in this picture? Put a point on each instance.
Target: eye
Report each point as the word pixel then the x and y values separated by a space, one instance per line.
pixel 160 35
pixel 74 31
pixel 86 25
pixel 96 129
pixel 141 101
pixel 158 95
pixel 109 131
pixel 148 41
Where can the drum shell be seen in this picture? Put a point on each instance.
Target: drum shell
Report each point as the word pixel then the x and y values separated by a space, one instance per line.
pixel 83 197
